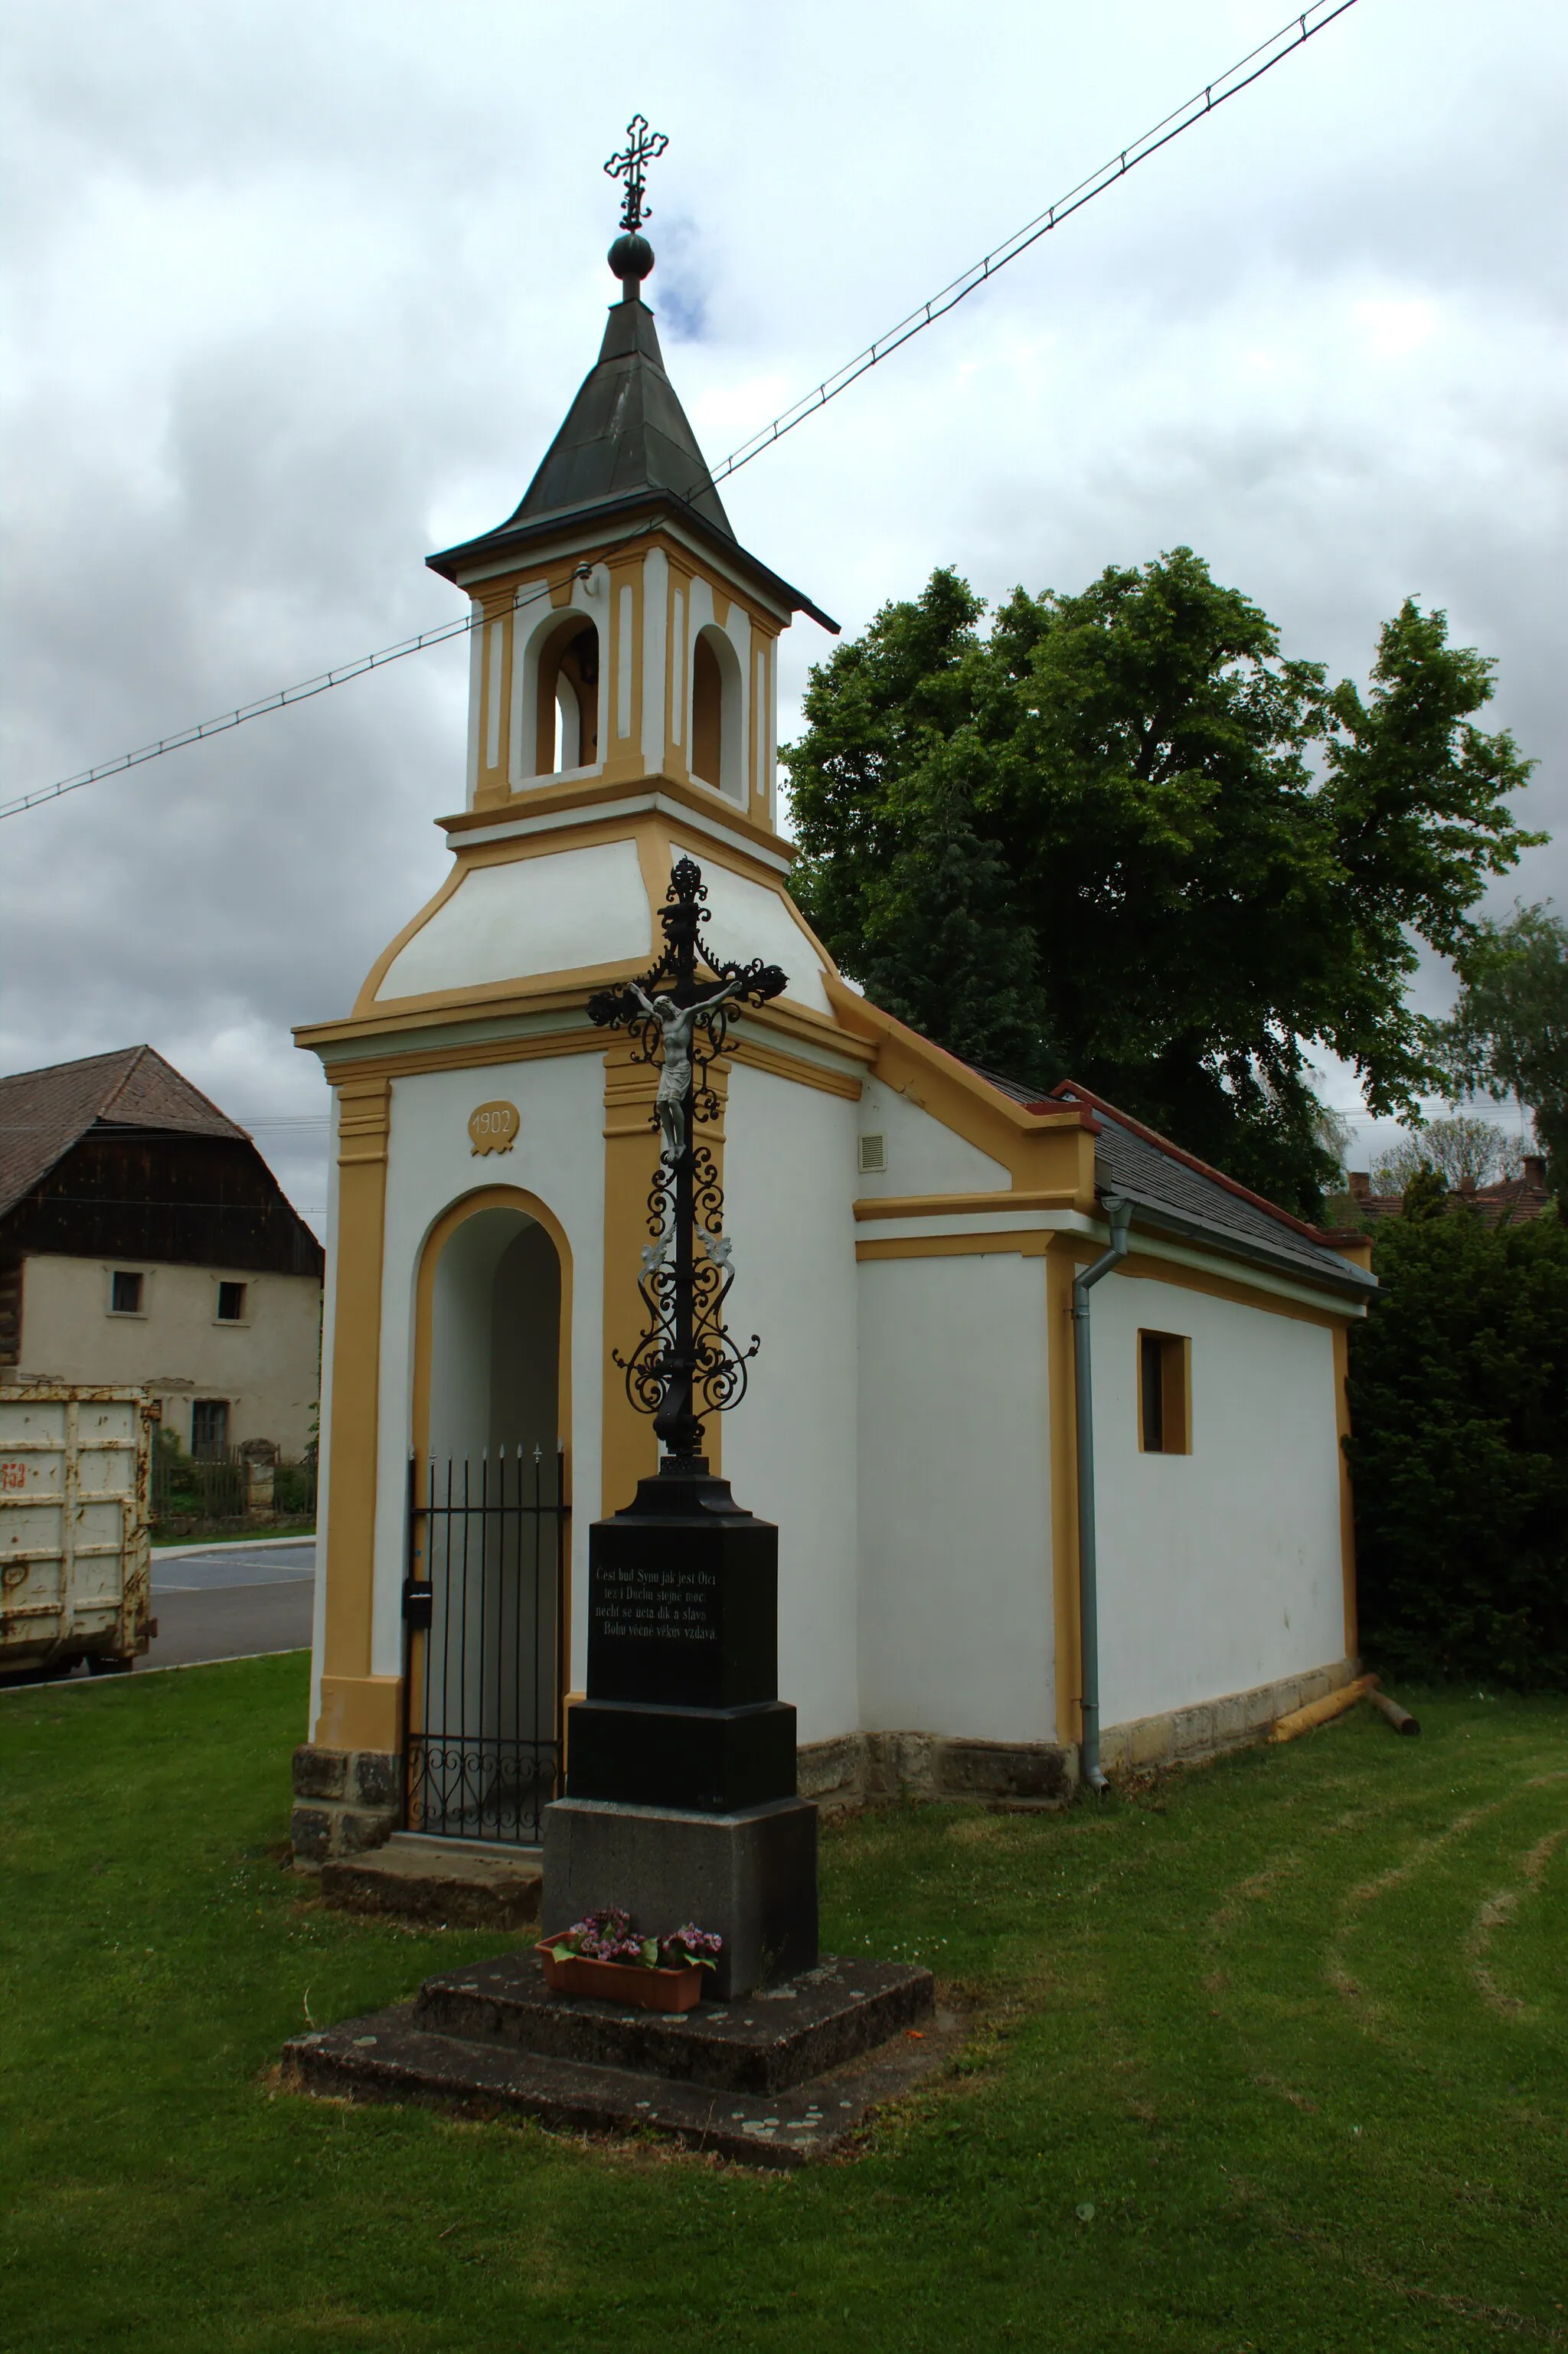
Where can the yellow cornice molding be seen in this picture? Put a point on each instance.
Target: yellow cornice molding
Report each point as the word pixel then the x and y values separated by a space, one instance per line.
pixel 474 1055
pixel 795 1067
pixel 1005 1242
pixel 1004 1202
pixel 544 994
pixel 587 794
pixel 1235 1288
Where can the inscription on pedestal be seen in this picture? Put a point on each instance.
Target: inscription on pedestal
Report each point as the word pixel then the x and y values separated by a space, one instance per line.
pixel 633 1601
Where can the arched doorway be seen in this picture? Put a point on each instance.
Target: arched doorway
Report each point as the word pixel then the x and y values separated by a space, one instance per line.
pixel 488 1524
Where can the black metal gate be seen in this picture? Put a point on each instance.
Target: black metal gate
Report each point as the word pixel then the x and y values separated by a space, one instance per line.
pixel 486 1611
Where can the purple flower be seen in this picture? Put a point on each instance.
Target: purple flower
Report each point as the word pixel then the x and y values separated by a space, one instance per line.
pixel 683 1947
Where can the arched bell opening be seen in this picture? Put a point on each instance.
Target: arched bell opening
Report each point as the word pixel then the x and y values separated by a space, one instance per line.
pixel 489 1522
pixel 715 713
pixel 566 698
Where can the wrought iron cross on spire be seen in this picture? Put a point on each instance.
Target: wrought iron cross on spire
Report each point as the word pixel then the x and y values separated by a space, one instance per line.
pixel 686 1365
pixel 643 146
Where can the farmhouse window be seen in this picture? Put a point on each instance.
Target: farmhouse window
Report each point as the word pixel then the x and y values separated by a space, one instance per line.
pixel 210 1426
pixel 1164 1394
pixel 124 1292
pixel 231 1303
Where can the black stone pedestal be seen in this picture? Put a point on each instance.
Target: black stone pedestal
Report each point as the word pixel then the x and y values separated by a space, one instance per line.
pixel 752 1876
pixel 681 1800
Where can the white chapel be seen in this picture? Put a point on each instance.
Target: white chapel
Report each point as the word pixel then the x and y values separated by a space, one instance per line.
pixel 965 1587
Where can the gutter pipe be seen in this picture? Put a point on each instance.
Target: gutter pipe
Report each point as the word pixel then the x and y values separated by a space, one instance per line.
pixel 1120 1215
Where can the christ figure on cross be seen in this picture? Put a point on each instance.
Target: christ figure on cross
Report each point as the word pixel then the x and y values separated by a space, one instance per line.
pixel 676 1024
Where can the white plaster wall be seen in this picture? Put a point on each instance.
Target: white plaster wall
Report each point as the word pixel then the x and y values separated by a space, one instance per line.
pixel 266 1366
pixel 1220 1569
pixel 751 920
pixel 923 1157
pixel 547 914
pixel 789 1446
pixel 957 1628
pixel 559 1156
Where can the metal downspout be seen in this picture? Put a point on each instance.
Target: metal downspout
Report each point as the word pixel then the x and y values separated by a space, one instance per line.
pixel 1120 1215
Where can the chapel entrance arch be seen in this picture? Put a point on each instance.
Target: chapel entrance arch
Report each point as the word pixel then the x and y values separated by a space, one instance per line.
pixel 488 1521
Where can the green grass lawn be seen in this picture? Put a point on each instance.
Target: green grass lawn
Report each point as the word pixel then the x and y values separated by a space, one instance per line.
pixel 1273 2059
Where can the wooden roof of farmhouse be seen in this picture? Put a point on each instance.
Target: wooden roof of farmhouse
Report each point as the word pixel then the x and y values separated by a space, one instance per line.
pixel 43 1113
pixel 1175 1190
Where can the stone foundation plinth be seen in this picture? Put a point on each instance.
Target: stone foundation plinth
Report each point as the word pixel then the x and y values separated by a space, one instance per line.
pixel 1185 1735
pixel 346 1801
pixel 750 1876
pixel 876 1768
pixel 859 1769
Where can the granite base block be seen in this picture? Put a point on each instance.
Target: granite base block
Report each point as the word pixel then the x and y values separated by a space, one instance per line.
pixel 751 1876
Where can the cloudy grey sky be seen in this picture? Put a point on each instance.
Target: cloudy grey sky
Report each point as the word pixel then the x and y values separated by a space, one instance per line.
pixel 297 293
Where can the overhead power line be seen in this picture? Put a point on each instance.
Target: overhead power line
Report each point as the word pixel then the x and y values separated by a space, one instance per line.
pixel 1259 61
pixel 1230 84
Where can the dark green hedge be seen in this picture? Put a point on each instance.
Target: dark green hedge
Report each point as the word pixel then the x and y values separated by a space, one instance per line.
pixel 1460 1452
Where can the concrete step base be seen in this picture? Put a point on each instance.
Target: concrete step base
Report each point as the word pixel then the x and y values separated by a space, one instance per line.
pixel 763 2044
pixel 463 1883
pixel 389 2056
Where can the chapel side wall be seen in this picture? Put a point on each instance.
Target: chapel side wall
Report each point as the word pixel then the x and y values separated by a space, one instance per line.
pixel 956 1615
pixel 789 1446
pixel 1219 1570
pixel 559 1156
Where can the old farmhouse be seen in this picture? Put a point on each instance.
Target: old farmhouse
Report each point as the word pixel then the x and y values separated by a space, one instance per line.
pixel 143 1240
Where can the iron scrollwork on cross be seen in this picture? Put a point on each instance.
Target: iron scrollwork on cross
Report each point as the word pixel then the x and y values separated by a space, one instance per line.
pixel 643 146
pixel 686 1364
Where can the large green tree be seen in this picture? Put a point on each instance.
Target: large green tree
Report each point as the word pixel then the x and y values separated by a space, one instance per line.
pixel 1509 1033
pixel 1459 1449
pixel 1117 837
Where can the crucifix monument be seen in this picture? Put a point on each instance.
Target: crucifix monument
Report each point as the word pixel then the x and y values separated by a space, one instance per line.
pixel 682 1800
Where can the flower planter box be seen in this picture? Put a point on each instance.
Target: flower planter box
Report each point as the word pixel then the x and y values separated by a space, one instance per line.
pixel 622 1982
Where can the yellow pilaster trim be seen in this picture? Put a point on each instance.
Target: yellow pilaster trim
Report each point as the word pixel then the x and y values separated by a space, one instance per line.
pixel 364 1116
pixel 1061 1408
pixel 629 1451
pixel 1347 1496
pixel 360 1712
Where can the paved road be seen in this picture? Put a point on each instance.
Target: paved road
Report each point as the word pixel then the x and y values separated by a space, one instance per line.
pixel 231 1604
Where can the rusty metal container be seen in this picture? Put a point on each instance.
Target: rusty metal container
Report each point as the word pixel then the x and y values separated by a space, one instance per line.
pixel 75 1473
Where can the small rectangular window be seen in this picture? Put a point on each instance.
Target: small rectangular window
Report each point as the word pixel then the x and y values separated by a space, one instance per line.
pixel 872 1156
pixel 1164 1394
pixel 231 1303
pixel 210 1426
pixel 125 1292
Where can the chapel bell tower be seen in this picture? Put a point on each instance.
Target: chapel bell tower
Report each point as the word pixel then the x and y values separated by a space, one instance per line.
pixel 623 634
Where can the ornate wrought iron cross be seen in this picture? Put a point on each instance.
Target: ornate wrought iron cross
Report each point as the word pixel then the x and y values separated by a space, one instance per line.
pixel 641 147
pixel 686 1365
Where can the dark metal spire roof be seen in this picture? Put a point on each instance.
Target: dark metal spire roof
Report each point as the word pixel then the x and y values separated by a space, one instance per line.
pixel 626 451
pixel 625 432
